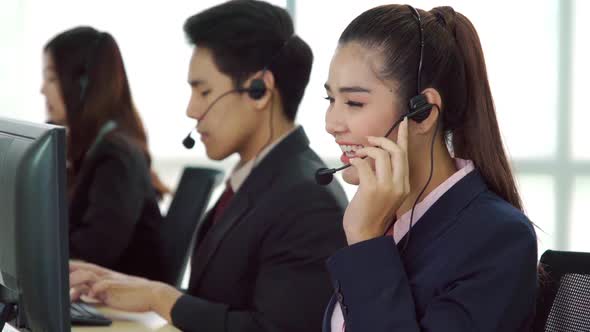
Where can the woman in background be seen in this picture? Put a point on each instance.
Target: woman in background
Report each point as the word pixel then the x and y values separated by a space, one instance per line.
pixel 113 195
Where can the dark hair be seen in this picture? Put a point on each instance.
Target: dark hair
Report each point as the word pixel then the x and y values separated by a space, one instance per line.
pixel 453 65
pixel 95 90
pixel 246 36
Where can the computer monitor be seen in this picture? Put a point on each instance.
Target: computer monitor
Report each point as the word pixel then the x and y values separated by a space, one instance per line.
pixel 34 274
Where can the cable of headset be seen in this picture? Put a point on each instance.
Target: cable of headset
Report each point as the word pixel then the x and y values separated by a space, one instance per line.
pixel 417 99
pixel 438 121
pixel 271 130
pixel 272 106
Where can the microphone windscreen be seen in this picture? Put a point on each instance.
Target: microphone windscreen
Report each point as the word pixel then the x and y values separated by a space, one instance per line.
pixel 324 176
pixel 188 142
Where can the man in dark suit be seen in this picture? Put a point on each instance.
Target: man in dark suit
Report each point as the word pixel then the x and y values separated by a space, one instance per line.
pixel 258 262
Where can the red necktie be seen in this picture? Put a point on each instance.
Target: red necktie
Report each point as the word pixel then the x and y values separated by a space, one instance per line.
pixel 222 203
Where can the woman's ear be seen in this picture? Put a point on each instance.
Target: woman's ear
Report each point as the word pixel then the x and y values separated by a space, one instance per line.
pixel 429 124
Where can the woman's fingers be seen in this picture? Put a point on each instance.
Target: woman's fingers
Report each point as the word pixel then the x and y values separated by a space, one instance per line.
pixel 382 159
pixel 366 174
pixel 398 156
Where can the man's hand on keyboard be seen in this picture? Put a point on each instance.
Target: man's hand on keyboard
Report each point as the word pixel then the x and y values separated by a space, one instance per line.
pixel 83 275
pixel 121 291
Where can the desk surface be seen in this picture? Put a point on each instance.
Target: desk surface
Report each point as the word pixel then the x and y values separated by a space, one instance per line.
pixel 129 322
pixel 124 321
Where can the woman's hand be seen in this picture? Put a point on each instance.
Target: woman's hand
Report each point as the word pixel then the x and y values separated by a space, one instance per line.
pixel 381 191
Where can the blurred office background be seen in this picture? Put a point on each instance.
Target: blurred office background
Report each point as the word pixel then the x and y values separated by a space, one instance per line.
pixel 535 51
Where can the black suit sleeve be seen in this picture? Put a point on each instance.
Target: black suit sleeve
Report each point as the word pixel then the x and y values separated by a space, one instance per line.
pixel 494 293
pixel 115 201
pixel 292 287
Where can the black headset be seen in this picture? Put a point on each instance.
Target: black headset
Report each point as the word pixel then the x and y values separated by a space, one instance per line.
pixel 255 91
pixel 83 81
pixel 257 88
pixel 422 108
pixel 419 109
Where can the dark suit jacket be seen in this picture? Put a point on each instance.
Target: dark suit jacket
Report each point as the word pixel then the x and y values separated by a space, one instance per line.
pixel 470 265
pixel 261 267
pixel 114 215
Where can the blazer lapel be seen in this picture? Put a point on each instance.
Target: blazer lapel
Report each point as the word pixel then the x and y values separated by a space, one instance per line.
pixel 213 237
pixel 258 182
pixel 442 214
pixel 203 228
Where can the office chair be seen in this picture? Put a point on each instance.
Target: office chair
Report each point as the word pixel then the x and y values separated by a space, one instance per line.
pixel 563 302
pixel 186 210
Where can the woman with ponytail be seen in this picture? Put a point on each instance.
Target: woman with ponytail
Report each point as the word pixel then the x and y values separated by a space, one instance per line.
pixel 437 239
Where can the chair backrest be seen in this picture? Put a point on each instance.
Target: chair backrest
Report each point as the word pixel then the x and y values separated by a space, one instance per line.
pixel 186 210
pixel 563 302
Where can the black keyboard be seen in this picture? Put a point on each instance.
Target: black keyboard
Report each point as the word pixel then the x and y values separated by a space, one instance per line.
pixel 82 314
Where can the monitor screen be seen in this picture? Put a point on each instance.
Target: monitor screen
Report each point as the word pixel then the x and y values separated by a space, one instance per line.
pixel 12 149
pixel 33 220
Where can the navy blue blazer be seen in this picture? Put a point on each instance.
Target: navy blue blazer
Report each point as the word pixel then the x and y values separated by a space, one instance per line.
pixel 470 265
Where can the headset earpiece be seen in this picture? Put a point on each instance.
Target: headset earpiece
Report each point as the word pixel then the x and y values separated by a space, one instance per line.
pixel 88 62
pixel 257 89
pixel 83 86
pixel 419 108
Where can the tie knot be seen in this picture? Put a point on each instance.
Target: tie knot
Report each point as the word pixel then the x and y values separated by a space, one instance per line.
pixel 228 189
